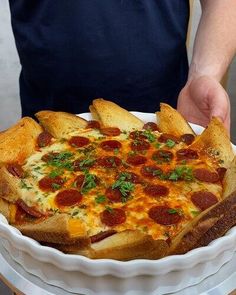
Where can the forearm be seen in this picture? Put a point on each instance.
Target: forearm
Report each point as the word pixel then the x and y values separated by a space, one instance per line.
pixel 215 42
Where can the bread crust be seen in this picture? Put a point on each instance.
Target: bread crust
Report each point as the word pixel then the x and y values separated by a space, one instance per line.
pixel 229 183
pixel 208 226
pixel 167 116
pixel 54 229
pixel 13 147
pixel 215 141
pixel 9 186
pixel 59 124
pixel 112 115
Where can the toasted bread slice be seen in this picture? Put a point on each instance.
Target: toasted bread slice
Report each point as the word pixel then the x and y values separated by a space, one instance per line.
pixel 127 245
pixel 10 188
pixel 208 226
pixel 5 208
pixel 229 183
pixel 171 121
pixel 59 124
pixel 59 229
pixel 215 141
pixel 13 147
pixel 112 115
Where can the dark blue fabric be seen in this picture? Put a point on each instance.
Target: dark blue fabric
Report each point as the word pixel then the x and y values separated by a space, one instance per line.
pixel 72 51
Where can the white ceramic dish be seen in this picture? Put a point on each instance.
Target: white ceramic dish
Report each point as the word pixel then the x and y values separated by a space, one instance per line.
pixel 116 277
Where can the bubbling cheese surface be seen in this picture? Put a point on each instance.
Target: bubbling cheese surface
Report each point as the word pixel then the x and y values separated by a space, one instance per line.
pixel 134 180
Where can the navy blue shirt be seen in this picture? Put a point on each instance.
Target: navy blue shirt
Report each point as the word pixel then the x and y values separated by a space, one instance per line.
pixel 72 51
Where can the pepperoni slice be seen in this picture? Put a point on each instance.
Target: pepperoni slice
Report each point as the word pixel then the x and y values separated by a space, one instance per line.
pixel 50 184
pixel 102 235
pixel 187 154
pixel 110 131
pixel 68 197
pixel 16 170
pixel 165 136
pixel 29 210
pixel 114 195
pixel 162 156
pixel 139 145
pixel 164 215
pixel 79 141
pixel 206 175
pixel 109 162
pixel 49 157
pixel 93 124
pixel 187 138
pixel 110 145
pixel 151 171
pixel 136 160
pixel 113 216
pixel 44 139
pixel 203 199
pixel 151 126
pixel 137 135
pixel 156 190
pixel 221 172
pixel 78 182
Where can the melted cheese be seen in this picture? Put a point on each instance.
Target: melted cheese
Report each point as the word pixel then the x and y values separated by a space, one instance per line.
pixel 136 207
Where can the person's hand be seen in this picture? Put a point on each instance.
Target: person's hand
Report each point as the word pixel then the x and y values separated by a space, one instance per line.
pixel 203 98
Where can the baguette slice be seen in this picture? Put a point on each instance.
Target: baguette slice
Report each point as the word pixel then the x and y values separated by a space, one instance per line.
pixel 112 115
pixel 18 142
pixel 208 226
pixel 215 141
pixel 59 124
pixel 171 121
pixel 59 229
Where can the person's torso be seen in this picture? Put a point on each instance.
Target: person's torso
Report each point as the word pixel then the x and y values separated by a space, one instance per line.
pixel 124 50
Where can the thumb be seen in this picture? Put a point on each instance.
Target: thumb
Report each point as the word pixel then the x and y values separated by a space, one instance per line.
pixel 220 106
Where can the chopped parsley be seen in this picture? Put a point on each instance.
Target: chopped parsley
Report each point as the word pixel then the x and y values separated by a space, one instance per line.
pixel 170 143
pixel 86 163
pixel 100 199
pixel 116 151
pixel 195 213
pixel 89 182
pixel 124 186
pixel 24 185
pixel 55 173
pixel 109 209
pixel 149 135
pixel 56 186
pixel 61 160
pixel 181 172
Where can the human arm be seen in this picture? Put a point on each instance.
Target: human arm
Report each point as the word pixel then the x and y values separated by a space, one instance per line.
pixel 214 47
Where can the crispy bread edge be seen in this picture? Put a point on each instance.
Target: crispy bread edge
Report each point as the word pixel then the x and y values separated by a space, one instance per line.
pixel 215 141
pixel 171 121
pixel 127 245
pixel 59 124
pixel 9 186
pixel 208 226
pixel 54 229
pixel 112 115
pixel 13 147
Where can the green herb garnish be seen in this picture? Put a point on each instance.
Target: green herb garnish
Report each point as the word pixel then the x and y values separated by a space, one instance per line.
pixel 100 199
pixel 170 143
